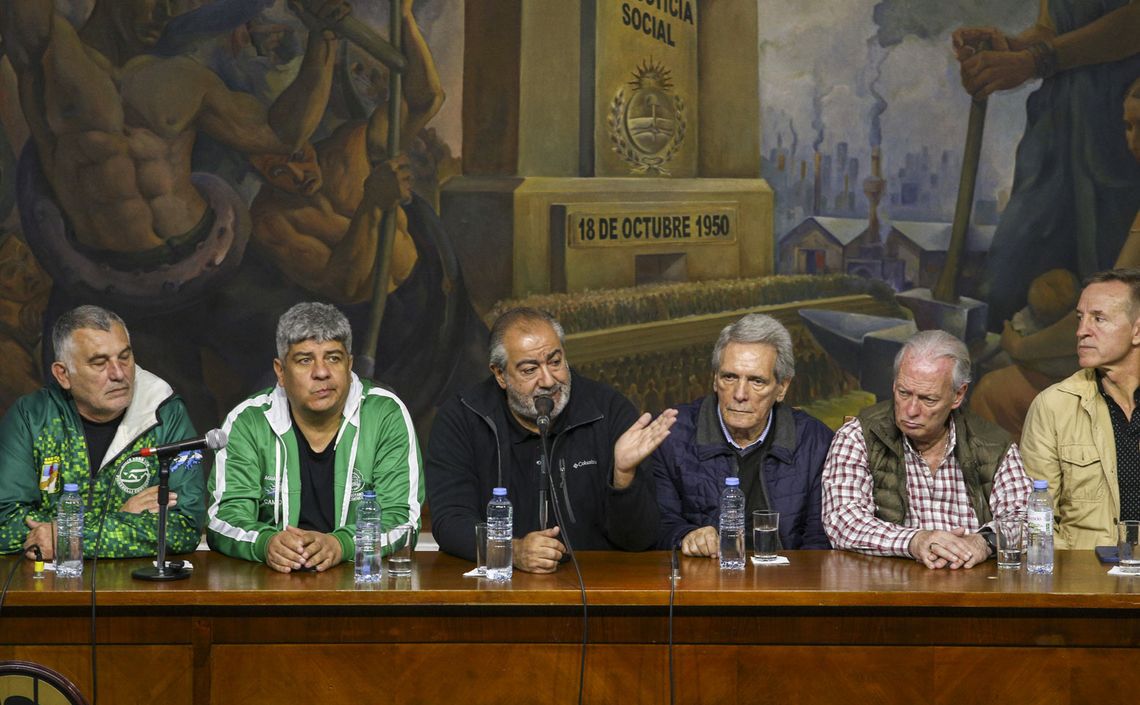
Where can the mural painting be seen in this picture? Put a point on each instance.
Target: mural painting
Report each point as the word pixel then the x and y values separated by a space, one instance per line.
pixel 647 172
pixel 191 165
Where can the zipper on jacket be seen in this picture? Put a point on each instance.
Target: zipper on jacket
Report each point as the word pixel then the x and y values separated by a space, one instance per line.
pixel 565 493
pixel 494 432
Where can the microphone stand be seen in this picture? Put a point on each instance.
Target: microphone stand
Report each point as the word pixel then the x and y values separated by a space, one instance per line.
pixel 544 484
pixel 160 571
pixel 544 479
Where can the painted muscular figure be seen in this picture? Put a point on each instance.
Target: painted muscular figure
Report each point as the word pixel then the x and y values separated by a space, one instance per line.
pixel 318 221
pixel 319 218
pixel 114 126
pixel 24 289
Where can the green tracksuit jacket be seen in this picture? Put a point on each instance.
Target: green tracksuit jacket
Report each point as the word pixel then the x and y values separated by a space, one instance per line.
pixel 255 487
pixel 42 447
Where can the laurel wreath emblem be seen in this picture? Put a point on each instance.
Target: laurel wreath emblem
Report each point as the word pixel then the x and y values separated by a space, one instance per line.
pixel 642 163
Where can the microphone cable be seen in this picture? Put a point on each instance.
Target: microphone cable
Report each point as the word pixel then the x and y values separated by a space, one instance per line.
pixel 94 566
pixel 545 487
pixel 674 576
pixel 581 587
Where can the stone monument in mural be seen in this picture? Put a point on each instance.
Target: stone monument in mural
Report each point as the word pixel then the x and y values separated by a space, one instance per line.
pixel 646 115
pixel 595 156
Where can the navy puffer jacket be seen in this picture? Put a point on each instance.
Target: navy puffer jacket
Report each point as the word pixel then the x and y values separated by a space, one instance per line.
pixel 690 467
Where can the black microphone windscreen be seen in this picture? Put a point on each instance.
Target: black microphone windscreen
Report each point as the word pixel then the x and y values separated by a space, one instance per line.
pixel 543 404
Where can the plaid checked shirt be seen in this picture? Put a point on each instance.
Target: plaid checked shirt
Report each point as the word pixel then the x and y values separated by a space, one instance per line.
pixel 935 501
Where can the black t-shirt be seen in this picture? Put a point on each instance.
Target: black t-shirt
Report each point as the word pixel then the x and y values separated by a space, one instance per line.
pixel 99 436
pixel 316 485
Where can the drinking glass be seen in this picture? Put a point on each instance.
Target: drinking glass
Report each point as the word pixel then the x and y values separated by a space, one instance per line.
pixel 765 534
pixel 1010 534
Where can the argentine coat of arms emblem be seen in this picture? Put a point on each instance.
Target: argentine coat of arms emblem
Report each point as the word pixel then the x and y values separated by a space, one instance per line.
pixel 647 123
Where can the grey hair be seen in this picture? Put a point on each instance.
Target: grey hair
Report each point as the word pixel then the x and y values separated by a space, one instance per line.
pixel 310 320
pixel 522 316
pixel 1129 276
pixel 90 317
pixel 935 345
pixel 759 328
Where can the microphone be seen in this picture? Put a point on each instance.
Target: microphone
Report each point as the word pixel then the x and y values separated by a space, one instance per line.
pixel 214 439
pixel 543 404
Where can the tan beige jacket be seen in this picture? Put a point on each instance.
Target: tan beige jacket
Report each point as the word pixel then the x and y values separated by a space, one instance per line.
pixel 1068 441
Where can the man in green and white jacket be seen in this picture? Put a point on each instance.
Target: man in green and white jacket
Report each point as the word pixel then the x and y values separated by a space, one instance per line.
pixel 284 490
pixel 84 427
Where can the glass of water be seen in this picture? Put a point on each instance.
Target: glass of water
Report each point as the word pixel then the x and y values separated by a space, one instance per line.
pixel 1128 545
pixel 481 547
pixel 765 534
pixel 1009 531
pixel 400 557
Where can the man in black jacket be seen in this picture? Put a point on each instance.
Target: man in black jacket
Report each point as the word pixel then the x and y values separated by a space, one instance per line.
pixel 488 437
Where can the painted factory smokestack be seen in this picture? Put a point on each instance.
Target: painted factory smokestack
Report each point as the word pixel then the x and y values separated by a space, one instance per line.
pixel 873 187
pixel 817 192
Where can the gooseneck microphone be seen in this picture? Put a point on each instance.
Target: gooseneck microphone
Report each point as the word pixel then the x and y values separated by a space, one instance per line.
pixel 214 439
pixel 162 571
pixel 543 405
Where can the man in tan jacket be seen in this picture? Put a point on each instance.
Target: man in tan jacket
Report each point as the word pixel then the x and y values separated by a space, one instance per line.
pixel 1082 434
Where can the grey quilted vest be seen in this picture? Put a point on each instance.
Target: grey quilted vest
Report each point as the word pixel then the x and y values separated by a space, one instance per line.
pixel 980 446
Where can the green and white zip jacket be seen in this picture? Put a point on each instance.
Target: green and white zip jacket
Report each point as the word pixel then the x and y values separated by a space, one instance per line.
pixel 42 447
pixel 255 488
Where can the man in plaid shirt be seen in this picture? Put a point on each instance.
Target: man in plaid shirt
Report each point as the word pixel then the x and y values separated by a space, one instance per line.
pixel 917 475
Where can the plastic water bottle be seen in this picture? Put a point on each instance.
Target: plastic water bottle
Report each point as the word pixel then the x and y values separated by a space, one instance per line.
pixel 368 539
pixel 69 533
pixel 1039 544
pixel 732 525
pixel 500 533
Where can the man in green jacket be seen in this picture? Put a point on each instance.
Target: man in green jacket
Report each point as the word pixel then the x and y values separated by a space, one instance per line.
pixel 84 427
pixel 284 490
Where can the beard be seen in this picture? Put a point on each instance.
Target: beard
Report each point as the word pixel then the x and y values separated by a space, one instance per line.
pixel 522 405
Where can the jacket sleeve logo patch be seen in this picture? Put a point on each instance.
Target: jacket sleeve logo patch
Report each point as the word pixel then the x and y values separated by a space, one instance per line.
pixel 133 476
pixel 357 486
pixel 49 475
pixel 268 491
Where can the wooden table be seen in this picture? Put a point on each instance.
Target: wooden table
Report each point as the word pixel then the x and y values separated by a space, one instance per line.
pixel 831 627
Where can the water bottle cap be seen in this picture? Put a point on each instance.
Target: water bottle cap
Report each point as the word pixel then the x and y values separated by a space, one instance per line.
pixel 1040 484
pixel 71 487
pixel 369 494
pixel 499 492
pixel 732 482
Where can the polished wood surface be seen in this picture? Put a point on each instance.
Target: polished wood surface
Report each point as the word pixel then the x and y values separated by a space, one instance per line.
pixel 830 626
pixel 813 578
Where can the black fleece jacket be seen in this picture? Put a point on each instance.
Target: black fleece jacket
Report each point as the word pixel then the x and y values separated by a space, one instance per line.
pixel 469 453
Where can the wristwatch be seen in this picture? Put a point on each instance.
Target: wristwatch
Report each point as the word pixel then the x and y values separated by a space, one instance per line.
pixel 988 536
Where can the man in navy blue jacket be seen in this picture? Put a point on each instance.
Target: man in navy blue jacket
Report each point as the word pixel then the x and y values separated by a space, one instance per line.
pixel 743 430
